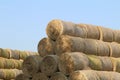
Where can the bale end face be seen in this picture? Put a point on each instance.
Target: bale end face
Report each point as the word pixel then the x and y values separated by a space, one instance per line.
pixel 49 64
pixel 66 64
pixel 45 47
pixel 63 44
pixel 31 65
pixel 54 29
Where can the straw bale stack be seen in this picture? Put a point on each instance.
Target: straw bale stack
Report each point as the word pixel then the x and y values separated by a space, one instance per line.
pixel 88 46
pixel 72 52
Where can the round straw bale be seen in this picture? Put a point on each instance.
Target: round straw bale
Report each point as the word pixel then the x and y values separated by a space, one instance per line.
pixel 69 44
pixel 106 64
pixel 70 62
pixel 115 47
pixel 84 75
pixel 103 48
pixel 22 77
pixel 90 46
pixel 54 29
pixel 40 76
pixel 58 76
pixel 117 36
pixel 5 53
pixel 8 51
pixel 46 47
pixel 95 62
pixel 31 65
pixel 92 31
pixel 108 34
pixel 49 64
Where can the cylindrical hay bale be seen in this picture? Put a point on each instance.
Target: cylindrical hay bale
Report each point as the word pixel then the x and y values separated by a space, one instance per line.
pixel 94 62
pixel 22 77
pixel 84 75
pixel 90 46
pixel 70 62
pixel 5 53
pixel 31 65
pixel 46 47
pixel 8 74
pixel 69 44
pixel 108 34
pixel 76 44
pixel 49 64
pixel 10 63
pixel 55 28
pixel 115 47
pixel 117 36
pixel 92 31
pixel 40 76
pixel 58 76
pixel 106 64
pixel 103 48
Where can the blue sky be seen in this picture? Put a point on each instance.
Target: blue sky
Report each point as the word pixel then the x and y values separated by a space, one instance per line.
pixel 23 22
